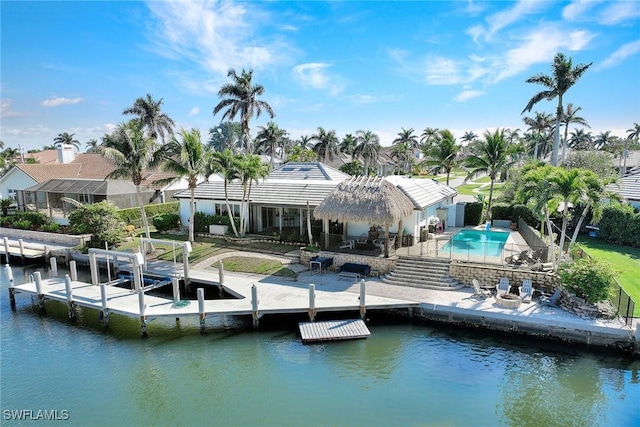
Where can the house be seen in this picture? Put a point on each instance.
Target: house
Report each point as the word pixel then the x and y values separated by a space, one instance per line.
pixel 80 177
pixel 629 188
pixel 279 202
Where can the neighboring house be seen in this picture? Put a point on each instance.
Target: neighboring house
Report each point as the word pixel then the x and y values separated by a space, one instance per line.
pixel 280 200
pixel 629 188
pixel 81 177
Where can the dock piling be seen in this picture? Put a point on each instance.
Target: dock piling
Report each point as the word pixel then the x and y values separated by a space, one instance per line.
pixel 142 307
pixel 104 312
pixel 201 311
pixel 12 297
pixel 93 266
pixel 21 244
pixel 6 249
pixel 221 277
pixel 74 270
pixel 176 289
pixel 38 280
pixel 70 304
pixel 363 309
pixel 254 306
pixel 312 302
pixel 54 266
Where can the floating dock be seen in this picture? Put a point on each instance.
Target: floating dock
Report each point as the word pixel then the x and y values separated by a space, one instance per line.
pixel 333 330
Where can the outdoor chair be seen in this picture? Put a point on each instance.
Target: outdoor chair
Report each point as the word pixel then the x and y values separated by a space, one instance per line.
pixel 478 291
pixel 346 243
pixel 502 287
pixel 364 238
pixel 526 290
pixel 551 300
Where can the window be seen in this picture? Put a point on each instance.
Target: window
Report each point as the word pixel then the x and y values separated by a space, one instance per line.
pixel 84 198
pixel 11 194
pixel 221 209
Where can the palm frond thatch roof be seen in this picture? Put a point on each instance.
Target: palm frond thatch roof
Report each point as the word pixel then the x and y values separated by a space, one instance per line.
pixel 365 199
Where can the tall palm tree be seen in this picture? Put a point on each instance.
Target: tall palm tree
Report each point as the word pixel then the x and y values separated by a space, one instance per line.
pixel 1 144
pixel 368 147
pixel 541 124
pixel 633 135
pixel 443 155
pixel 402 152
pixel 304 141
pixel 469 137
pixel 429 136
pixel 67 138
pixel 226 163
pixel 593 199
pixel 91 146
pixel 241 97
pixel 301 154
pixel 149 113
pixel 581 140
pixel 226 135
pixel 326 144
pixel 269 139
pixel 348 145
pixel 187 158
pixel 568 117
pixel 407 141
pixel 564 75
pixel 250 170
pixel 603 140
pixel 491 157
pixel 132 153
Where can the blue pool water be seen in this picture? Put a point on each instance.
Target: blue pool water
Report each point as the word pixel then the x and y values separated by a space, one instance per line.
pixel 477 242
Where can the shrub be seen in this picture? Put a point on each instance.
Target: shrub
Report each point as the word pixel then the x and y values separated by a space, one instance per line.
pixel 166 222
pixel 132 215
pixel 620 225
pixel 473 213
pixel 101 220
pixel 527 215
pixel 51 228
pixel 23 224
pixel 202 221
pixel 501 211
pixel 130 230
pixel 36 219
pixel 587 278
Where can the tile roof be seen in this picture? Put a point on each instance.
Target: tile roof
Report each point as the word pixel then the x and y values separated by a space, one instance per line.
pixel 422 192
pixel 628 187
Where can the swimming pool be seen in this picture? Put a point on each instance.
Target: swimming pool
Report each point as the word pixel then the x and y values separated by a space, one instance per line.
pixel 477 242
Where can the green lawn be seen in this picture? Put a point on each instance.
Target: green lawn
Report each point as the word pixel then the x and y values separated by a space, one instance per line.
pixel 467 190
pixel 625 260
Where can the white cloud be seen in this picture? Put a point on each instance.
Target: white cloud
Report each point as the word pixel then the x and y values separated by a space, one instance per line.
pixel 577 9
pixel 443 71
pixel 466 95
pixel 540 46
pixel 315 75
pixel 194 111
pixel 475 32
pixel 507 17
pixel 7 111
pixel 217 35
pixel 56 102
pixel 625 51
pixel 620 11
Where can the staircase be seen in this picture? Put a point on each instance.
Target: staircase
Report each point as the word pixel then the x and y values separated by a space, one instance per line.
pixel 422 273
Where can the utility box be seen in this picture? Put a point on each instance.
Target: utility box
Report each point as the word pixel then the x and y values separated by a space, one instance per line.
pixel 460 207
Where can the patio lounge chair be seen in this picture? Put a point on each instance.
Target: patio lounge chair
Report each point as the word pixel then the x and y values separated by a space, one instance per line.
pixel 503 287
pixel 551 300
pixel 346 243
pixel 478 291
pixel 364 238
pixel 526 290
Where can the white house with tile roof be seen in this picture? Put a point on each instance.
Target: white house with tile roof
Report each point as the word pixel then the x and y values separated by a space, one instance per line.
pixel 629 188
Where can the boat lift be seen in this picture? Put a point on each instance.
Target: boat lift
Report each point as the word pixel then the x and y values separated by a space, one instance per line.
pixel 186 250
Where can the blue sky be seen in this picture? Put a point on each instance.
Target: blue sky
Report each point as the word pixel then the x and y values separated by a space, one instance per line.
pixel 381 66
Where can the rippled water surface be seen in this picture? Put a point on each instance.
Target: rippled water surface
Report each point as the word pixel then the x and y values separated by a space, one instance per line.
pixel 403 375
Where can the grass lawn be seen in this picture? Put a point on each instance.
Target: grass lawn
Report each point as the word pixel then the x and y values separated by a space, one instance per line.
pixel 625 260
pixel 467 190
pixel 249 264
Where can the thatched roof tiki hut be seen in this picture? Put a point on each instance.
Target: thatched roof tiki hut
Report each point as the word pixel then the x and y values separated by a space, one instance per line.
pixel 365 199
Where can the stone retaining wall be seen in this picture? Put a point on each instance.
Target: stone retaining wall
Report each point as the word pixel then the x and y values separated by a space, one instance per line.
pixel 383 265
pixel 465 272
pixel 41 236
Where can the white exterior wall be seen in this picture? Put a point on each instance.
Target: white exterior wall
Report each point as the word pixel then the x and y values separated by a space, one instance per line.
pixel 15 179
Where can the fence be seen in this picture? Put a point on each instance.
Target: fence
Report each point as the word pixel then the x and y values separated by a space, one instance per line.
pixel 533 239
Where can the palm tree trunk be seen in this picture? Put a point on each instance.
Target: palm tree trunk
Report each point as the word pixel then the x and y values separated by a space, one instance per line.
pixel 143 215
pixel 580 221
pixel 565 212
pixel 226 199
pixel 556 135
pixel 490 198
pixel 309 234
pixel 192 213
pixel 386 240
pixel 551 242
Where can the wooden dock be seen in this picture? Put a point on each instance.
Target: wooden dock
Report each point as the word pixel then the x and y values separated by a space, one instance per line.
pixel 333 330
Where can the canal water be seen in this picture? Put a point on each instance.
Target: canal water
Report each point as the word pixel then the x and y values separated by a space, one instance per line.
pixel 403 375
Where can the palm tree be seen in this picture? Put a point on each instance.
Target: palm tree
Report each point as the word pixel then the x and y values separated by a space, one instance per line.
pixel 67 138
pixel 603 140
pixel 581 140
pixel 1 144
pixel 348 145
pixel 402 152
pixel 250 170
pixel 368 147
pixel 132 153
pixel 429 136
pixel 593 198
pixel 443 155
pixel 241 97
pixel 407 142
pixel 564 76
pixel 92 146
pixel 491 157
pixel 326 144
pixel 541 125
pixel 226 163
pixel 634 134
pixel 187 158
pixel 469 137
pixel 568 117
pixel 226 135
pixel 304 141
pixel 269 139
pixel 301 154
pixel 150 116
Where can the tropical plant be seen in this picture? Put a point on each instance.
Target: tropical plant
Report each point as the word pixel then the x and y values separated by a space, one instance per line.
pixel 132 153
pixel 368 147
pixel 91 146
pixel 67 138
pixel 541 126
pixel 348 145
pixel 443 155
pixel 301 154
pixel 633 135
pixel 353 168
pixel 227 135
pixel 429 136
pixel 5 204
pixel 581 140
pixel 186 158
pixel 240 97
pixel 599 162
pixel 226 163
pixel 564 75
pixel 593 199
pixel 151 117
pixel 250 170
pixel 587 278
pixel 402 148
pixel 491 157
pixel 326 145
pixel 469 137
pixel 270 138
pixel 101 220
pixel 568 117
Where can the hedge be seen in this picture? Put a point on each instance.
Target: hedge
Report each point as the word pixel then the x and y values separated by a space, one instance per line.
pixel 132 215
pixel 202 221
pixel 473 213
pixel 513 213
pixel 620 225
